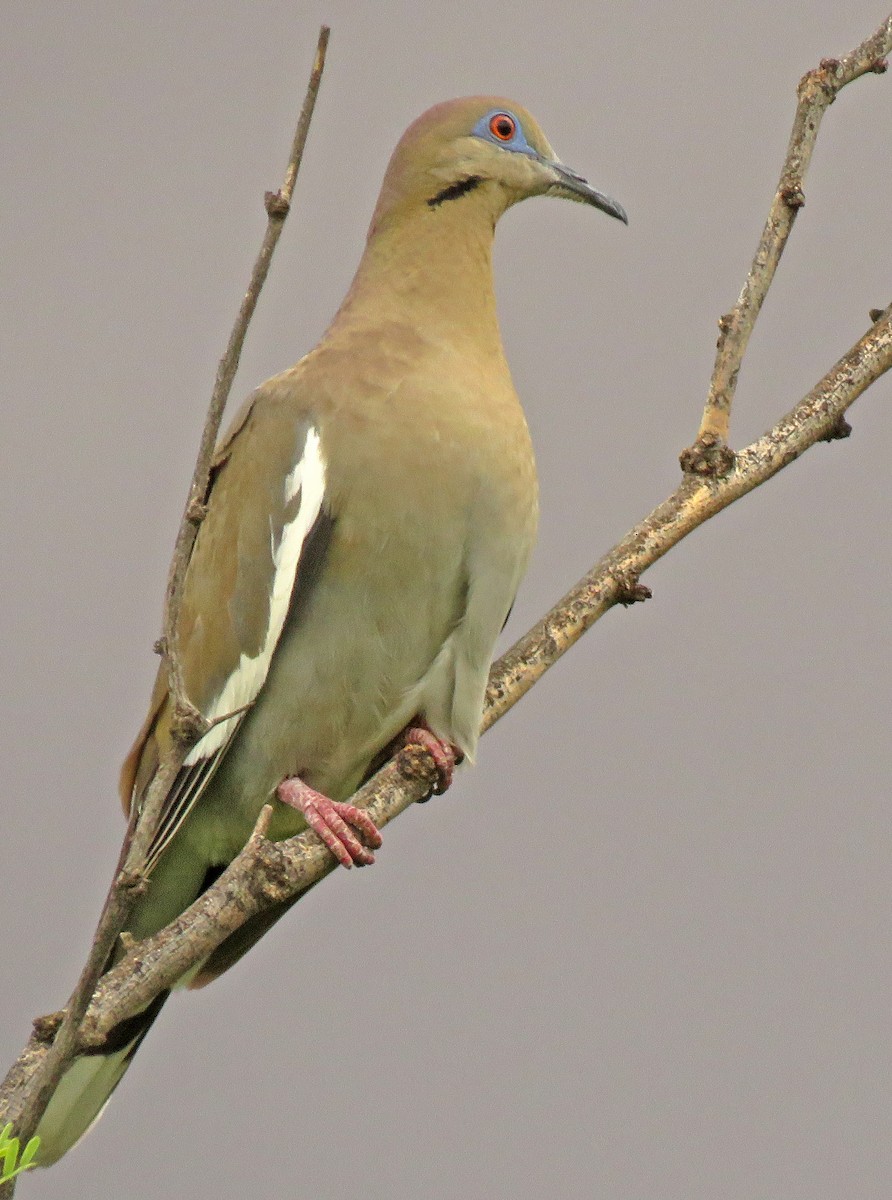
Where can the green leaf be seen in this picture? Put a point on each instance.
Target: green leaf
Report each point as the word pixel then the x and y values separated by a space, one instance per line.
pixel 28 1154
pixel 9 1154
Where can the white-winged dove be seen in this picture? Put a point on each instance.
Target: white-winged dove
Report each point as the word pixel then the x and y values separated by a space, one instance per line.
pixel 370 515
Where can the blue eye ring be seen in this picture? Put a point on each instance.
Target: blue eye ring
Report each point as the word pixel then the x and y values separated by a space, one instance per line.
pixel 502 126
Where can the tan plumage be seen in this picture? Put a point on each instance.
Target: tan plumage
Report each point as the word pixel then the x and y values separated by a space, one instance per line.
pixel 364 589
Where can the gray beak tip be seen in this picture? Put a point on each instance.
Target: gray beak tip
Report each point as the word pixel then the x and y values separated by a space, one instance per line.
pixel 574 187
pixel 619 212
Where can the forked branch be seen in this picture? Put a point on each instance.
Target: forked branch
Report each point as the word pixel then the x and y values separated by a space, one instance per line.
pixel 816 92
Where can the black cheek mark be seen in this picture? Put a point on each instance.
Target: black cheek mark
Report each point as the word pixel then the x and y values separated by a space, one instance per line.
pixel 454 190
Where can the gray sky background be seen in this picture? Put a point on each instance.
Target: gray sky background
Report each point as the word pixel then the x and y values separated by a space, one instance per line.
pixel 641 950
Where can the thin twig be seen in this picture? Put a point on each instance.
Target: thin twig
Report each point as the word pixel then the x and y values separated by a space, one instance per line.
pixel 817 90
pixel 188 724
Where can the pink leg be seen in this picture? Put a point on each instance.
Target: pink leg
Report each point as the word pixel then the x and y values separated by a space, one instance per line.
pixel 444 754
pixel 331 820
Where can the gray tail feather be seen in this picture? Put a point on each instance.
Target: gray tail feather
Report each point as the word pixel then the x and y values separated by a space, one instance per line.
pixel 86 1087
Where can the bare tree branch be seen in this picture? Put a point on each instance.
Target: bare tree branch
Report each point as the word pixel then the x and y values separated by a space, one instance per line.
pixel 188 723
pixel 817 90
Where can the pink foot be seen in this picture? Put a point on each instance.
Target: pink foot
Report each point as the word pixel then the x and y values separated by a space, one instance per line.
pixel 444 754
pixel 331 820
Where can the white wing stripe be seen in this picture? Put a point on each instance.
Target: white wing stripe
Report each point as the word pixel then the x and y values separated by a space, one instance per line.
pixel 242 686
